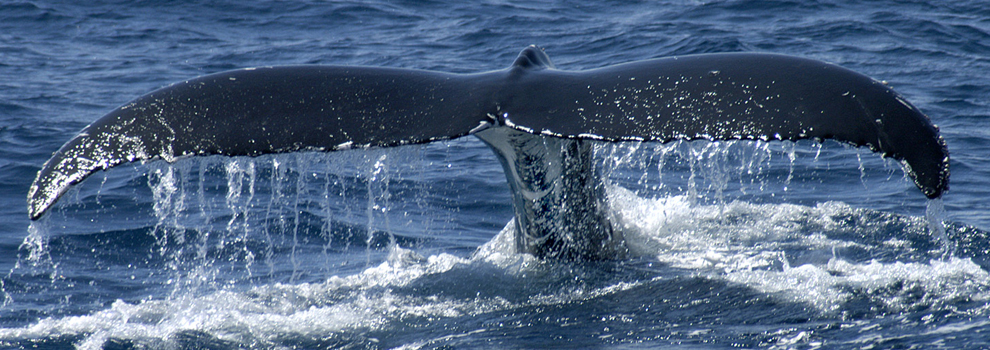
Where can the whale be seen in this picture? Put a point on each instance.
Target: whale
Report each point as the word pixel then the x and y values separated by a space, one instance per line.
pixel 541 122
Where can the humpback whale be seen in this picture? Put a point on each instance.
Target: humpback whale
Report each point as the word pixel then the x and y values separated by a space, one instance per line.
pixel 539 121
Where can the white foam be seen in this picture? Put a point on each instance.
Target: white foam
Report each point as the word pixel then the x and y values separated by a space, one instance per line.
pixel 262 314
pixel 744 243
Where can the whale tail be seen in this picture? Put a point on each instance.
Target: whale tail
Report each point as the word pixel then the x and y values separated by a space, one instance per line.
pixel 259 111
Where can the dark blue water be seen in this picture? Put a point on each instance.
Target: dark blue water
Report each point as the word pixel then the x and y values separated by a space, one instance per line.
pixel 735 244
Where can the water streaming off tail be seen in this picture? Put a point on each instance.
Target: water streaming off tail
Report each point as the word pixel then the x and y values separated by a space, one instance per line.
pixel 347 248
pixel 803 172
pixel 219 221
pixel 269 216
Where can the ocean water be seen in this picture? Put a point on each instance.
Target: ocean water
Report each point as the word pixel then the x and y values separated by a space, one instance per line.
pixel 739 244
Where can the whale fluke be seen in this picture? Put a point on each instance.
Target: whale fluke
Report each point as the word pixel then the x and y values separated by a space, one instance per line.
pixel 257 111
pixel 730 96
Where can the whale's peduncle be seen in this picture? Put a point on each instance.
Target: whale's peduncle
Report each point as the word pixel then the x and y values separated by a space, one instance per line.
pixel 557 196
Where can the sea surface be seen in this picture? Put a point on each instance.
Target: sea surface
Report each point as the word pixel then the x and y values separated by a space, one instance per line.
pixel 779 245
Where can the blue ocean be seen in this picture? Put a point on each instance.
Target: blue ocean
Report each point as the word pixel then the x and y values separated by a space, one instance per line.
pixel 732 244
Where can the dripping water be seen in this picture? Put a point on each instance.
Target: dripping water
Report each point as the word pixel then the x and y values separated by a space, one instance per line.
pixel 243 212
pixel 330 240
pixel 238 172
pixel 935 216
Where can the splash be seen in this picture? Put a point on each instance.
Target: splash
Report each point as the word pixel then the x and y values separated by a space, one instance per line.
pixel 352 248
pixel 805 254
